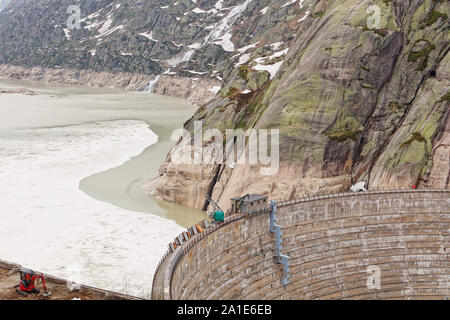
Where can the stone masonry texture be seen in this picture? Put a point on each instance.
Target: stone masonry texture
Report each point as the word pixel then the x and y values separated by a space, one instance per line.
pixel 332 241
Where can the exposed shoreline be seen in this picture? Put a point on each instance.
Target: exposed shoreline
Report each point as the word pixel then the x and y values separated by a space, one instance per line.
pixel 17 91
pixel 196 91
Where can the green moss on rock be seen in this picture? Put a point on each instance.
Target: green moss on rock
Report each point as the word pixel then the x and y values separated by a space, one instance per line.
pixel 415 136
pixel 344 128
pixel 423 54
pixel 446 97
pixel 432 17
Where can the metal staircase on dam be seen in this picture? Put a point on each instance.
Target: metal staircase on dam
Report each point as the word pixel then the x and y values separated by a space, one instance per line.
pixel 281 258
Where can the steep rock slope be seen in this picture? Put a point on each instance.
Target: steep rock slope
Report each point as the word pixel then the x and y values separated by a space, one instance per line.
pixel 193 39
pixel 352 103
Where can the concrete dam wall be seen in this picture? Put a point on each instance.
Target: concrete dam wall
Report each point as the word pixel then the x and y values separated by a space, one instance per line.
pixel 372 245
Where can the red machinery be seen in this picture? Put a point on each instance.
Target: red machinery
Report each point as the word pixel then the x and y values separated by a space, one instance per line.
pixel 27 283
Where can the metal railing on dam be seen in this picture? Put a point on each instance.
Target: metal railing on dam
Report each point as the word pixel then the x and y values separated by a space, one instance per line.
pixel 210 246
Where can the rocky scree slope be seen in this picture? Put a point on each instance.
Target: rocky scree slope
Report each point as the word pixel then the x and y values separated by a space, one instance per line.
pixel 352 103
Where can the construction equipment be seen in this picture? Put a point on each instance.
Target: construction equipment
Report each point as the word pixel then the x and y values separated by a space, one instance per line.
pixel 218 213
pixel 27 283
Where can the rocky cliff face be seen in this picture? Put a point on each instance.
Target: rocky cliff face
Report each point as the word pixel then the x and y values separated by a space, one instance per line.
pixel 199 41
pixel 192 39
pixel 195 90
pixel 354 101
pixel 358 89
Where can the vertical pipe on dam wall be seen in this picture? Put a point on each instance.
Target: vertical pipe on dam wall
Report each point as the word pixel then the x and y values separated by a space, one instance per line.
pixel 333 241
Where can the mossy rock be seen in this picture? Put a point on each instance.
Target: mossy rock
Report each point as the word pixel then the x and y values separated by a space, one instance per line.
pixel 446 97
pixel 257 79
pixel 423 54
pixel 415 136
pixel 344 128
pixel 243 71
pixel 432 17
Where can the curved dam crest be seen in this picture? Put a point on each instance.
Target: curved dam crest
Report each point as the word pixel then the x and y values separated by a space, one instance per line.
pixel 334 244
